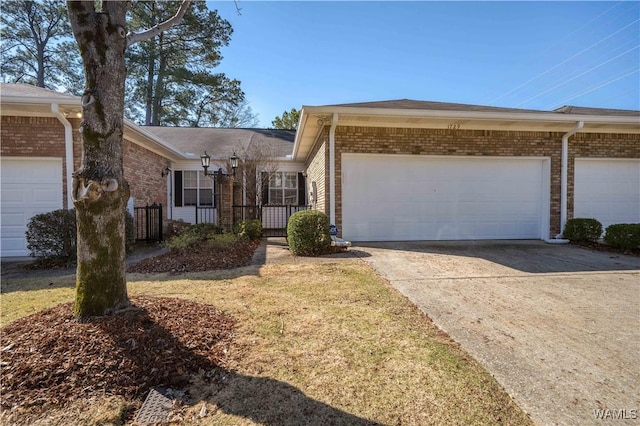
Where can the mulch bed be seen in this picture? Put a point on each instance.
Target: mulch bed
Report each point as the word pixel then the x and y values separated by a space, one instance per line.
pixel 203 257
pixel 51 358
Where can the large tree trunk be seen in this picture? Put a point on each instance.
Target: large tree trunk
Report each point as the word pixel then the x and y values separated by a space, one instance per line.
pixel 100 192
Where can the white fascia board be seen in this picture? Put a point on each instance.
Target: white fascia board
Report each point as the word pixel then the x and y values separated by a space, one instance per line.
pixel 37 107
pixel 75 101
pixel 542 116
pixel 301 126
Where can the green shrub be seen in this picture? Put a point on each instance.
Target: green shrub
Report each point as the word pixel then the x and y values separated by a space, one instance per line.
pixel 581 230
pixel 308 233
pixel 192 235
pixel 251 229
pixel 52 235
pixel 222 242
pixel 623 235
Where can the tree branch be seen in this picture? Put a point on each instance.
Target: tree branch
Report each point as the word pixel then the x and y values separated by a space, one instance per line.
pixel 163 26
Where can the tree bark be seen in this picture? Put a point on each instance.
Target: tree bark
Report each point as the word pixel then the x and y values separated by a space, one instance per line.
pixel 100 191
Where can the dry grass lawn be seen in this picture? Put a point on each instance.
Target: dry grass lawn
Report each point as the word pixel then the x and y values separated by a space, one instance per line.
pixel 315 344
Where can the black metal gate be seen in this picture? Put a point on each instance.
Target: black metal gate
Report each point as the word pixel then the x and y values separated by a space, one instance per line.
pixel 274 218
pixel 148 222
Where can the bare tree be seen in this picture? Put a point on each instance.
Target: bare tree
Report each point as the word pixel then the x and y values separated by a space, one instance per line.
pixel 257 162
pixel 100 192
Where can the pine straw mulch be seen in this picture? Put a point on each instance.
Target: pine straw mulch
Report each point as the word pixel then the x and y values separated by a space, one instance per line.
pixel 202 257
pixel 50 358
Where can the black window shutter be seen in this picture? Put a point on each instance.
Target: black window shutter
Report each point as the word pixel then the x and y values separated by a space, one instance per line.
pixel 215 193
pixel 265 187
pixel 302 190
pixel 177 193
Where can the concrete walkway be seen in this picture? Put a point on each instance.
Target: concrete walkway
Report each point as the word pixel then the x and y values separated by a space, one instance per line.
pixel 558 326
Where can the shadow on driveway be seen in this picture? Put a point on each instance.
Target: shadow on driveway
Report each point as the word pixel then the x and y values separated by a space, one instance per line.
pixel 529 256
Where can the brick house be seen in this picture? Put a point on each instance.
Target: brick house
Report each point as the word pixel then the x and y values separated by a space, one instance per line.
pixel 39 132
pixel 414 170
pixel 39 137
pixel 391 170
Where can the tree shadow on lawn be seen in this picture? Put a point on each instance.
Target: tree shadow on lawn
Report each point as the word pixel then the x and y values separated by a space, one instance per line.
pixel 158 342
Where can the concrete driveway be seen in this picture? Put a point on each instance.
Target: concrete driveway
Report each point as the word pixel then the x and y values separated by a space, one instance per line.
pixel 558 326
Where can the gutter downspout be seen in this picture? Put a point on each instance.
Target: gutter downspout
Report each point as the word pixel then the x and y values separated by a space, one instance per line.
pixel 563 177
pixel 68 149
pixel 332 169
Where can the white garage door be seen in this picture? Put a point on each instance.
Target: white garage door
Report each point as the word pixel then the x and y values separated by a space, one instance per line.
pixel 607 190
pixel 29 186
pixel 398 197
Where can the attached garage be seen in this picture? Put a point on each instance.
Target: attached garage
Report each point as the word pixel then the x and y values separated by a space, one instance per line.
pixel 607 190
pixel 390 197
pixel 29 186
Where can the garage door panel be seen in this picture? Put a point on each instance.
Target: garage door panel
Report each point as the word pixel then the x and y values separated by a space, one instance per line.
pixel 441 198
pixel 607 190
pixel 24 195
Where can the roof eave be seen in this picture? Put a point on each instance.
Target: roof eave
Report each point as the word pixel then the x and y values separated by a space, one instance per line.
pixel 157 145
pixel 542 116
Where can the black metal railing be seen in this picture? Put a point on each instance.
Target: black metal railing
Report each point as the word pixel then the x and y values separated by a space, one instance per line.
pixel 148 222
pixel 206 214
pixel 274 218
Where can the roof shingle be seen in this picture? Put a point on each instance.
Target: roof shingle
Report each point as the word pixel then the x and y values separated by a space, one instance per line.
pixel 220 143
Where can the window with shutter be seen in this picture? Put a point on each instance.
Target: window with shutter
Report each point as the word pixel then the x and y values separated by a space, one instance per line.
pixel 192 188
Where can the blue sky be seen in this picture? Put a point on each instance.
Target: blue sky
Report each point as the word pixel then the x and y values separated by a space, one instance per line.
pixel 533 55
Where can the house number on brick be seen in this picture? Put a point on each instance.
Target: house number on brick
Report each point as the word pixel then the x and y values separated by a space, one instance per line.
pixel 453 126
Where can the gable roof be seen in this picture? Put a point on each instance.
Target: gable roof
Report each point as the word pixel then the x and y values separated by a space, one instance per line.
pixel 409 113
pixel 569 109
pixel 27 90
pixel 27 100
pixel 411 104
pixel 32 101
pixel 221 143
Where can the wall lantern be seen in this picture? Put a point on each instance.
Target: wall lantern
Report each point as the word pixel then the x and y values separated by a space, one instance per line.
pixel 205 159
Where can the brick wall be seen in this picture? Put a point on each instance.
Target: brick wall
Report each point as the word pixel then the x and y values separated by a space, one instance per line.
pixel 317 168
pixel 44 137
pixel 476 143
pixel 35 137
pixel 143 171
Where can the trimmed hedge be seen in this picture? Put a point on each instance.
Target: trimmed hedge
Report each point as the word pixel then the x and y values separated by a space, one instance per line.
pixel 623 235
pixel 251 229
pixel 53 235
pixel 582 230
pixel 308 233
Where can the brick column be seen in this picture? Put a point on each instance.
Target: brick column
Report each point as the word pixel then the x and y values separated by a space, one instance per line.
pixel 226 203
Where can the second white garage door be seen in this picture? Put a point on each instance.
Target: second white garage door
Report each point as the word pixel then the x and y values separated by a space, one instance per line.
pixel 398 197
pixel 607 190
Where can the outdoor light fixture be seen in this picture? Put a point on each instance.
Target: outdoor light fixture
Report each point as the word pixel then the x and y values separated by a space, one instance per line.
pixel 166 171
pixel 234 162
pixel 205 159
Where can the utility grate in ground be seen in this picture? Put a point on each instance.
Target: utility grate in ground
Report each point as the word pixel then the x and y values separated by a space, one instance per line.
pixel 155 409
